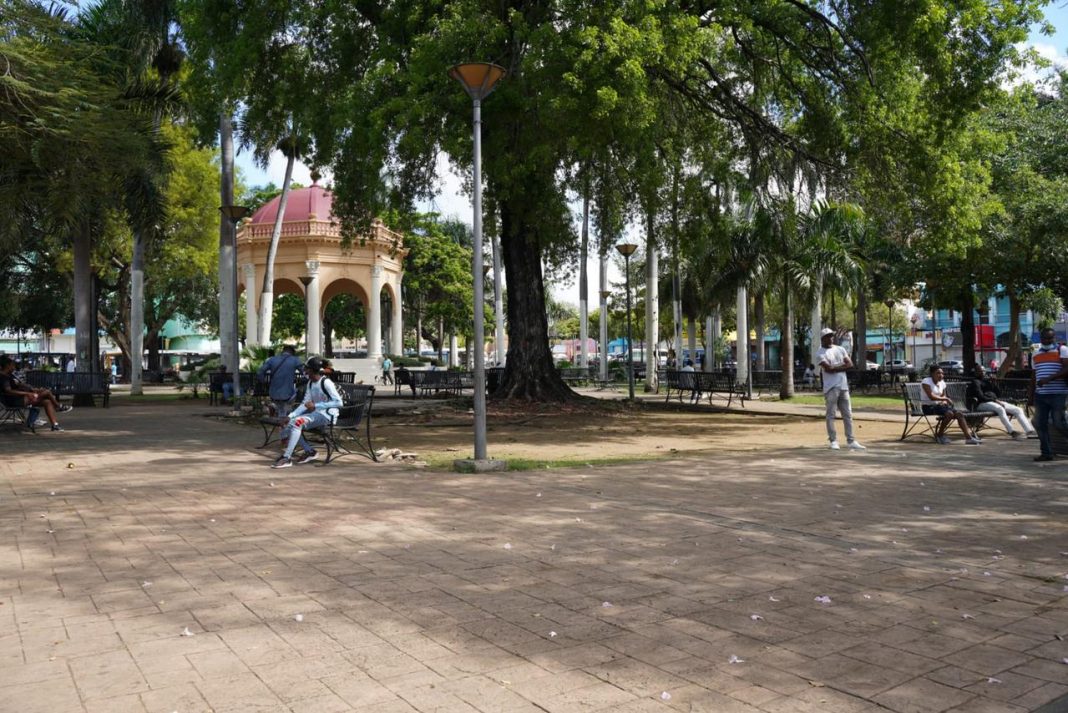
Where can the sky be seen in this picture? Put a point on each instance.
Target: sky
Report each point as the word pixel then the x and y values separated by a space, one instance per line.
pixel 452 202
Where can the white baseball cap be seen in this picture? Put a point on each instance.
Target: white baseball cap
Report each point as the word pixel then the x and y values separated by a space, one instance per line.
pixel 825 331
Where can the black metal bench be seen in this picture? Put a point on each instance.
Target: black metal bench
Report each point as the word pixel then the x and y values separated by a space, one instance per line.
pixel 16 416
pixel 956 391
pixel 574 375
pixel 353 417
pixel 72 383
pixel 250 385
pixel 700 383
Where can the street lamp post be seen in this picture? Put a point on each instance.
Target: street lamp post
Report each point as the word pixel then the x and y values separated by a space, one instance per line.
pixel 235 214
pixel 890 338
pixel 478 80
pixel 626 250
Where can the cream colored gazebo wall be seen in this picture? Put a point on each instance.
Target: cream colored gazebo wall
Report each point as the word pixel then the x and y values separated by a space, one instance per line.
pixel 370 266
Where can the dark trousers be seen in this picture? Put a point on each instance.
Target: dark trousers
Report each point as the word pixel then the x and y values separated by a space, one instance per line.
pixel 1049 406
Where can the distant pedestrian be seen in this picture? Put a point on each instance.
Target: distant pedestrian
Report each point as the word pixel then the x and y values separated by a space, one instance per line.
pixel 387 370
pixel 834 363
pixel 1048 390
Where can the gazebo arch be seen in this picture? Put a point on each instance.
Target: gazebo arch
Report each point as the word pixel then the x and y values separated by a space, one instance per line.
pixel 312 261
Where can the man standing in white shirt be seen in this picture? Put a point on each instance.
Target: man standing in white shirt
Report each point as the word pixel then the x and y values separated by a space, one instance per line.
pixel 834 363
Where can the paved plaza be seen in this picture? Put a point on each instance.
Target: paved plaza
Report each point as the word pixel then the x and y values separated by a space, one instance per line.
pixel 151 561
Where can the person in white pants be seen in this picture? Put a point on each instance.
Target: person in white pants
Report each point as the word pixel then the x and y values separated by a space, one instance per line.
pixel 983 395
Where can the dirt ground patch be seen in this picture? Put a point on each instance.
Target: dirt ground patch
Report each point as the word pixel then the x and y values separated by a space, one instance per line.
pixel 604 431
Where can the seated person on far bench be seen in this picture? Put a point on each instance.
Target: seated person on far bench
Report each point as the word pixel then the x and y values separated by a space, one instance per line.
pixel 983 395
pixel 16 394
pixel 934 402
pixel 320 408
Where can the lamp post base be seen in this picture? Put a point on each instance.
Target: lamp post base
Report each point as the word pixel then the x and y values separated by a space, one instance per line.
pixel 479 465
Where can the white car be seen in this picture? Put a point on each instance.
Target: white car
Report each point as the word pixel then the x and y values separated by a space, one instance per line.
pixel 871 366
pixel 899 365
pixel 952 367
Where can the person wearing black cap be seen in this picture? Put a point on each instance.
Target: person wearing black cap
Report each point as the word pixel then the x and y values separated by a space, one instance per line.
pixel 320 407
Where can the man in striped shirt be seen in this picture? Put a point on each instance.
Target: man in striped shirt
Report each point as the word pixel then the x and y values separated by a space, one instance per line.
pixel 1049 389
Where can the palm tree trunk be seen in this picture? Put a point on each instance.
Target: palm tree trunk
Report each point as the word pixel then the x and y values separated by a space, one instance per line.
pixel 652 304
pixel 759 323
pixel 584 289
pixel 860 342
pixel 267 293
pixel 227 290
pixel 786 388
pixel 137 311
pixel 815 323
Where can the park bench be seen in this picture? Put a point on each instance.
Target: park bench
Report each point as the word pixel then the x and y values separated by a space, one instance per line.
pixel 699 383
pixel 249 385
pixel 574 375
pixel 72 383
pixel 354 417
pixel 923 424
pixel 16 416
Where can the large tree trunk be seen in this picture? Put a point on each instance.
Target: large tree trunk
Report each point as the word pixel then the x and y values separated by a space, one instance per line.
pixel 786 387
pixel 529 373
pixel 759 324
pixel 83 296
pixel 1014 353
pixel 267 293
pixel 328 338
pixel 967 332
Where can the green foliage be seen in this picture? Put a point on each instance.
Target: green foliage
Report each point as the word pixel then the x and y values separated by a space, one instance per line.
pixel 288 320
pixel 437 272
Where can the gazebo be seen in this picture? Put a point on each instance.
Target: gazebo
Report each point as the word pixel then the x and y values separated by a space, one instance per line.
pixel 311 261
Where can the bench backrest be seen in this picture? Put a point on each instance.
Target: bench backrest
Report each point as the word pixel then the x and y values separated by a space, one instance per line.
pixel 357 400
pixel 955 390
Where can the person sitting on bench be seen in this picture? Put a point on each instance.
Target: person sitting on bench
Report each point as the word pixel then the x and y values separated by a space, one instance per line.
pixel 320 408
pixel 934 402
pixel 983 395
pixel 15 394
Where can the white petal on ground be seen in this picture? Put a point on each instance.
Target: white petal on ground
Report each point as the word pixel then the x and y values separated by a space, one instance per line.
pixel 735 659
pixel 966 616
pixel 665 696
pixel 552 634
pixel 298 617
pixel 507 545
pixel 187 632
pixel 756 617
pixel 991 679
pixel 823 599
pixel 772 599
pixel 606 605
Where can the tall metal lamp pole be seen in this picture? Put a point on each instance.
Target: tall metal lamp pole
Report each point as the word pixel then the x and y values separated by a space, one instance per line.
pixel 478 80
pixel 626 250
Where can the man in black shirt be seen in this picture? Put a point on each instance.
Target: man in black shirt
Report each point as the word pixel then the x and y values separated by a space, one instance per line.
pixel 15 393
pixel 983 395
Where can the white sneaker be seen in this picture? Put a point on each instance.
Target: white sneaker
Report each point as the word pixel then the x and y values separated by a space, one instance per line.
pixel 972 441
pixel 855 446
pixel 835 446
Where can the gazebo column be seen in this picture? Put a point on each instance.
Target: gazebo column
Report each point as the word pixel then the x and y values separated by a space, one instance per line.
pixel 396 339
pixel 374 315
pixel 311 297
pixel 251 299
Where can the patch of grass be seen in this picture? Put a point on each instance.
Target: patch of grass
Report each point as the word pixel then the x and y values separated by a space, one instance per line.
pixel 887 401
pixel 156 397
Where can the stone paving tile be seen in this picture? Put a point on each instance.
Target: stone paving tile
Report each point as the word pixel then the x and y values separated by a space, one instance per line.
pixel 410 601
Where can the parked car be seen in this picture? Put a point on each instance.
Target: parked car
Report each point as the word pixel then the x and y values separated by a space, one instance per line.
pixel 871 366
pixel 899 365
pixel 952 367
